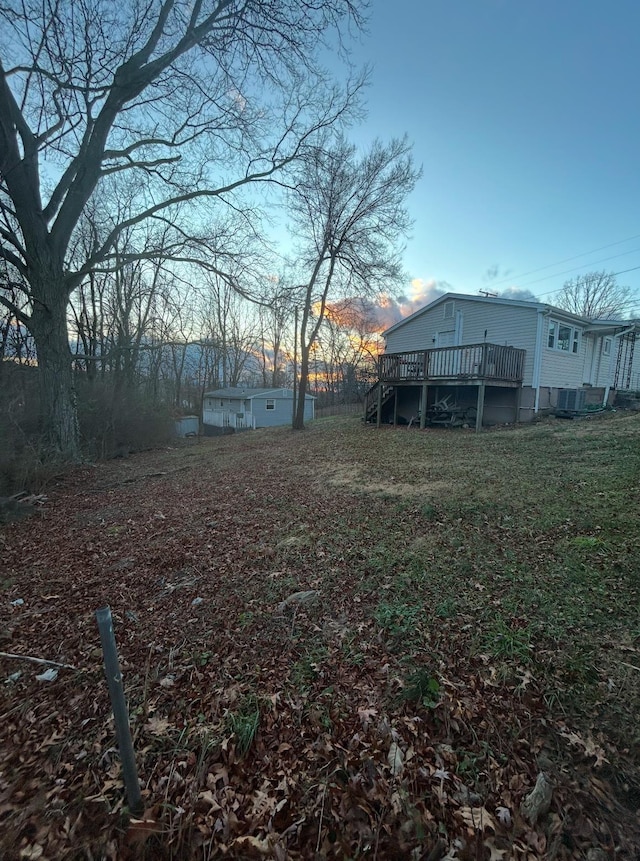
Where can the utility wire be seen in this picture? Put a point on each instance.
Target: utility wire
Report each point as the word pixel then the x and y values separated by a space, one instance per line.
pixel 566 260
pixel 569 271
pixel 629 305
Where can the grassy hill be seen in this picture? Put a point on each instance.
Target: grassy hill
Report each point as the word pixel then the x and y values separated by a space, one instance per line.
pixel 474 621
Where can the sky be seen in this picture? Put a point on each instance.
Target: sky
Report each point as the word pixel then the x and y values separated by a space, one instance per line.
pixel 525 117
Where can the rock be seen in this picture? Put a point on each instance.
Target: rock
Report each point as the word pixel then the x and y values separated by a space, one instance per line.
pixel 48 675
pixel 538 802
pixel 395 758
pixel 298 599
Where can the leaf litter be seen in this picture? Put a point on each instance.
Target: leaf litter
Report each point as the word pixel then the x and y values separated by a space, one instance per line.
pixel 263 734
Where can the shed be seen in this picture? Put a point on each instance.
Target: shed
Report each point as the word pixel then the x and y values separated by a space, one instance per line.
pixel 244 408
pixel 187 426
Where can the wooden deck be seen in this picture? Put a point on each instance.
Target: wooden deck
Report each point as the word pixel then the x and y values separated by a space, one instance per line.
pixel 490 363
pixel 478 365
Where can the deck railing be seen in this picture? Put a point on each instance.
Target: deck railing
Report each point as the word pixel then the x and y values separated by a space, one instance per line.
pixel 481 362
pixel 228 419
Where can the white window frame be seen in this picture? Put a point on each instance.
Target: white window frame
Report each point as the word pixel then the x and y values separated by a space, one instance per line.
pixel 606 346
pixel 571 339
pixel 270 404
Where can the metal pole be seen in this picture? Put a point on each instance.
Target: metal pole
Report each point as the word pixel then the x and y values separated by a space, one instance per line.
pixel 120 714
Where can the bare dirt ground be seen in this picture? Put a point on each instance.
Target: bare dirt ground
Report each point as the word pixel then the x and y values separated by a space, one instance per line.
pixel 475 624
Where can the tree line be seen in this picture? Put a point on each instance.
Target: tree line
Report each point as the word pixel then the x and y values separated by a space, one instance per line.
pixel 144 151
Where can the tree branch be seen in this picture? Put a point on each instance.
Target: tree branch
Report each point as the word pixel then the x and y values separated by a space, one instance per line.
pixel 14 310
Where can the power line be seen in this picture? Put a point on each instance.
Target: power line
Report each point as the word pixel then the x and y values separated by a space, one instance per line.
pixel 567 260
pixel 622 272
pixel 573 269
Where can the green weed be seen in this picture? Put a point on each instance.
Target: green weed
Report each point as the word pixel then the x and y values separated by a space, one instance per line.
pixel 447 608
pixel 422 688
pixel 307 668
pixel 508 640
pixel 244 722
pixel 397 618
pixel 587 542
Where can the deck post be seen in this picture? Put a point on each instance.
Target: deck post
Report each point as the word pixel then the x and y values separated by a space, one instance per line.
pixel 395 406
pixel 480 407
pixel 518 400
pixel 379 413
pixel 423 406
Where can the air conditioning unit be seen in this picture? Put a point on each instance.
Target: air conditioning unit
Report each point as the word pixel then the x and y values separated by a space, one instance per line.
pixel 572 400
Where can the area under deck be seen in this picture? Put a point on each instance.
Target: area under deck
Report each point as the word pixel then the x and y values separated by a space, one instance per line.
pixel 481 366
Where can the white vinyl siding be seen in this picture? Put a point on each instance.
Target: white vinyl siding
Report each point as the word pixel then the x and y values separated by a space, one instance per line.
pixel 563 369
pixel 506 325
pixel 271 409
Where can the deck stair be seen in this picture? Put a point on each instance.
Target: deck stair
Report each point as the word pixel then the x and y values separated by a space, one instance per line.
pixel 371 400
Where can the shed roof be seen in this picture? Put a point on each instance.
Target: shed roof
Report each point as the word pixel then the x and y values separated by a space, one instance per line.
pixel 247 394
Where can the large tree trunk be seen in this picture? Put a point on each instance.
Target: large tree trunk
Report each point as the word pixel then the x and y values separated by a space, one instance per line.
pixel 58 411
pixel 303 379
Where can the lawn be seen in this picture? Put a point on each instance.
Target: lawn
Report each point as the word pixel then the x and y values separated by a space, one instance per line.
pixel 475 622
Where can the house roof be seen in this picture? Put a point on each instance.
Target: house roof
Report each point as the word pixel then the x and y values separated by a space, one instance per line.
pixel 518 303
pixel 247 394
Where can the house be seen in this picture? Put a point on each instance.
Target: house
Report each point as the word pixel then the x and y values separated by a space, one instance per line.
pixel 484 360
pixel 243 408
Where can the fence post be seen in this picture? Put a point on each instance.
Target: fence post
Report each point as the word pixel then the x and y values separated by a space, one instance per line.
pixel 120 714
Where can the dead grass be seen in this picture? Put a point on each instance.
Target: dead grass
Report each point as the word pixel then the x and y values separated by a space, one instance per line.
pixel 501 569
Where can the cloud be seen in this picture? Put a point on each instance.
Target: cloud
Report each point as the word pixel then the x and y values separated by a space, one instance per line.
pixel 496 273
pixel 388 310
pixel 518 293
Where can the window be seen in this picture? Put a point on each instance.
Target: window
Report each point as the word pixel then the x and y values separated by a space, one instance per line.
pixel 606 347
pixel 449 310
pixel 271 404
pixel 563 337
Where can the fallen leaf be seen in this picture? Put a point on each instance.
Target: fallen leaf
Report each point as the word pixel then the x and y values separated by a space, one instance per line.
pixel 478 818
pixel 157 725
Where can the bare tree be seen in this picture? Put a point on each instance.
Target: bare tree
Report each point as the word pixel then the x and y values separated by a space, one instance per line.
pixel 350 348
pixel 15 341
pixel 228 322
pixel 188 102
pixel 596 295
pixel 276 319
pixel 350 215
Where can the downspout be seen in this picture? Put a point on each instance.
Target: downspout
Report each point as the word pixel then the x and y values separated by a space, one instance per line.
pixel 537 359
pixel 596 339
pixel 605 399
